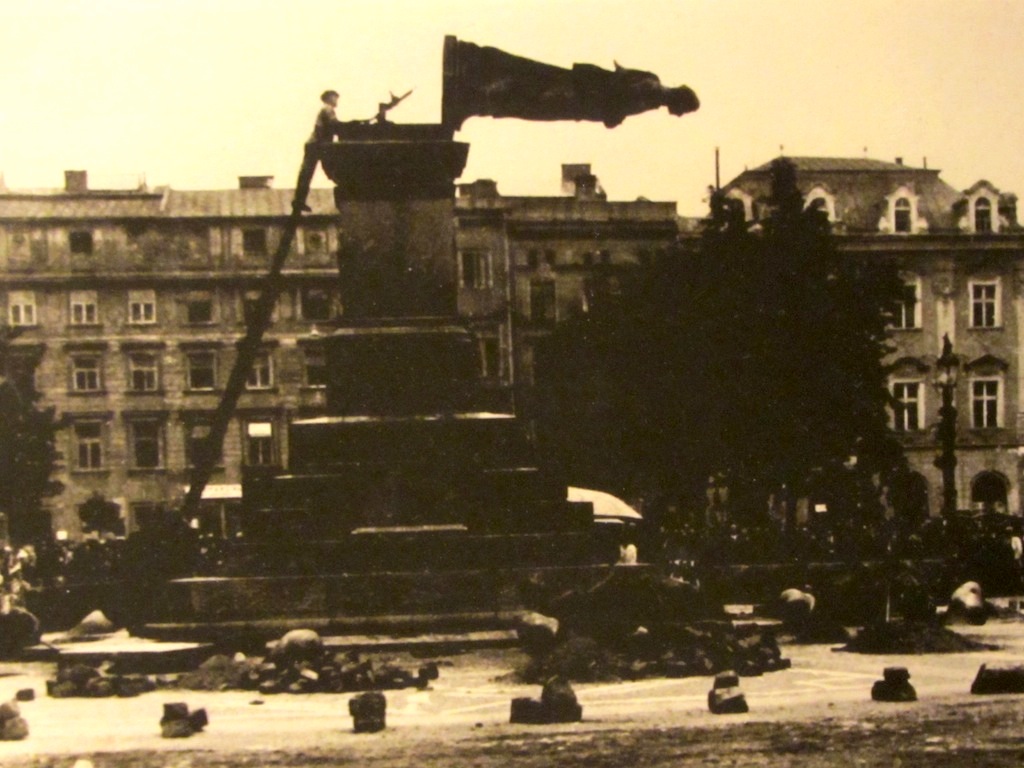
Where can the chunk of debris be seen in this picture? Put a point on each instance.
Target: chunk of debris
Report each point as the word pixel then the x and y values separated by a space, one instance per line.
pixel 725 697
pixel 368 711
pixel 999 679
pixel 179 723
pixel 894 686
pixel 95 624
pixel 13 727
pixel 557 704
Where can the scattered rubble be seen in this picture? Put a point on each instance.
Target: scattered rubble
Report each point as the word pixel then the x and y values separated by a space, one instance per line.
pixel 368 712
pixel 725 697
pixel 894 686
pixel 998 679
pixel 911 637
pixel 665 650
pixel 557 704
pixel 25 694
pixel 81 680
pixel 298 663
pixel 178 723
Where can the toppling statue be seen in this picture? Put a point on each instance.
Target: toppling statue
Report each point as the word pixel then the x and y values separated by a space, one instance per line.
pixel 486 81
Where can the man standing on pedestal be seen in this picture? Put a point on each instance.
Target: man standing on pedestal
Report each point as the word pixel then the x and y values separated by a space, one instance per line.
pixel 324 131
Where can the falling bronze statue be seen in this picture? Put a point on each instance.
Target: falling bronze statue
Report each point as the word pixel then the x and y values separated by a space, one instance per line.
pixel 486 81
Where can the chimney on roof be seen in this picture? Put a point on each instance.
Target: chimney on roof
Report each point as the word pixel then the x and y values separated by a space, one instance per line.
pixel 481 188
pixel 571 173
pixel 255 182
pixel 76 181
pixel 899 161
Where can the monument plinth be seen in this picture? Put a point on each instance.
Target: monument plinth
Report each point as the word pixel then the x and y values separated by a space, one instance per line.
pixel 409 501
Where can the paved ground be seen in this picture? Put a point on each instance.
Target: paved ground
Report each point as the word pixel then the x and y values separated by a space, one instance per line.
pixel 471 699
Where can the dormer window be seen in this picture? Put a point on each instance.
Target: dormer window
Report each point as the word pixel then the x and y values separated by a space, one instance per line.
pixel 820 199
pixel 902 216
pixel 982 215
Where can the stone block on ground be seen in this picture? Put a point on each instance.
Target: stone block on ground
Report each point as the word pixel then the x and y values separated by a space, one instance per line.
pixel 896 675
pixel 998 679
pixel 368 712
pixel 9 710
pixel 175 729
pixel 77 674
pixel 559 700
pixel 527 711
pixel 198 719
pixel 65 690
pixel 14 729
pixel 19 628
pixel 726 679
pixel 727 701
pixel 176 710
pixel 25 694
pixel 883 690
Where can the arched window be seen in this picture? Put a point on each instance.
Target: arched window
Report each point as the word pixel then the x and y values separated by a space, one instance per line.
pixel 982 215
pixel 901 215
pixel 988 491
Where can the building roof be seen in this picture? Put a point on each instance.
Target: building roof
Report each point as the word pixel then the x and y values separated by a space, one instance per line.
pixel 162 203
pixel 861 189
pixel 836 165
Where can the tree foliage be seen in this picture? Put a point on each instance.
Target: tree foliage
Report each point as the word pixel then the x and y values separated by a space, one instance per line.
pixel 27 452
pixel 756 356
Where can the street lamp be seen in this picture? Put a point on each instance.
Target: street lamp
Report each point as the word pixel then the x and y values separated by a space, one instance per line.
pixel 945 382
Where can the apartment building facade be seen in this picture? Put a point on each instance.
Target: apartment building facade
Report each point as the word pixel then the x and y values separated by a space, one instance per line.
pixel 130 302
pixel 961 256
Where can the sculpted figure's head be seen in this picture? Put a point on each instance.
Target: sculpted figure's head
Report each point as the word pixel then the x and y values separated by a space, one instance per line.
pixel 681 100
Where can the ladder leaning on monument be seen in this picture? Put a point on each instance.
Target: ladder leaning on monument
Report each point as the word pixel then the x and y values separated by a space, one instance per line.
pixel 248 347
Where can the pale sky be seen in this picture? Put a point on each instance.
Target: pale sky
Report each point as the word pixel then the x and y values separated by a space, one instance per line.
pixel 194 93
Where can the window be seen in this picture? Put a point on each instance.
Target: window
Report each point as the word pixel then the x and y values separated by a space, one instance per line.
pixel 985 403
pixel 145 438
pixel 201 370
pixel 542 301
pixel 315 304
pixel 81 242
pixel 21 308
pixel 550 257
pixel 143 372
pixel 259 443
pixel 89 445
pixel 902 215
pixel 985 304
pixel 250 303
pixel 316 366
pixel 908 406
pixel 261 376
pixel 199 309
pixel 982 215
pixel 315 241
pixel 532 258
pixel 490 358
pixel 908 311
pixel 85 373
pixel 196 436
pixel 254 242
pixel 475 269
pixel 83 308
pixel 141 307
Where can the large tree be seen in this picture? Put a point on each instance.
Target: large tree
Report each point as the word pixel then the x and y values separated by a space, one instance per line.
pixel 756 357
pixel 27 452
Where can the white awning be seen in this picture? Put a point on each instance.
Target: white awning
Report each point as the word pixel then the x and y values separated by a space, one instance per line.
pixel 221 491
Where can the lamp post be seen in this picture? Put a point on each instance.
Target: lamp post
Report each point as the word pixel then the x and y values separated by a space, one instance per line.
pixel 945 382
